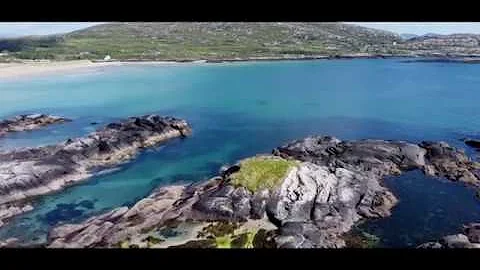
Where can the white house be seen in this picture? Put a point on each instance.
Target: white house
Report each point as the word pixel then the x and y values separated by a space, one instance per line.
pixel 107 58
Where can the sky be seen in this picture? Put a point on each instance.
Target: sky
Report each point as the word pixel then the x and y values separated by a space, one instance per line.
pixel 32 28
pixel 24 29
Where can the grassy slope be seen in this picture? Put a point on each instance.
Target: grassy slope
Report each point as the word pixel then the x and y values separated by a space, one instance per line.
pixel 259 172
pixel 165 41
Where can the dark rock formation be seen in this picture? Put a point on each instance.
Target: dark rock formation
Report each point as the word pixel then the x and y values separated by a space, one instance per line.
pixel 34 171
pixel 334 185
pixel 366 162
pixel 28 122
pixel 385 157
pixel 469 239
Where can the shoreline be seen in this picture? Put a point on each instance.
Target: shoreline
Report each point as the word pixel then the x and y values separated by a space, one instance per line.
pixel 34 68
pixel 18 70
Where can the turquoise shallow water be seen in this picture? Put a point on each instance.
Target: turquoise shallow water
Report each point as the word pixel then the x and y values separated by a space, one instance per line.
pixel 241 109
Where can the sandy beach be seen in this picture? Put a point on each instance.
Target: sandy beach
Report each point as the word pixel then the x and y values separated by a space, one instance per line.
pixel 30 68
pixel 27 68
pixel 44 67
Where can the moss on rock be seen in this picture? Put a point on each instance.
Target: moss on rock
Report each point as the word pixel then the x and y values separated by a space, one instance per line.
pixel 204 243
pixel 218 229
pixel 152 240
pixel 223 241
pixel 123 244
pixel 244 240
pixel 240 241
pixel 261 172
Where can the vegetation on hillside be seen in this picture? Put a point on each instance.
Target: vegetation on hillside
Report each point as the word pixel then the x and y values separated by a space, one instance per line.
pixel 187 41
pixel 219 40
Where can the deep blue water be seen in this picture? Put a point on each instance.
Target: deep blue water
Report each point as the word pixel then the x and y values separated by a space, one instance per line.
pixel 240 109
pixel 429 209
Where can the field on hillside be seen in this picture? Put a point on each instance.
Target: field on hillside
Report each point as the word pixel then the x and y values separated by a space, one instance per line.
pixel 166 41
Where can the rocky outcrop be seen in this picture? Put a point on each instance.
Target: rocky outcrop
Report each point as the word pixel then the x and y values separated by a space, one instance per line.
pixel 9 243
pixel 333 185
pixel 451 163
pixel 469 239
pixel 313 207
pixel 9 210
pixel 28 122
pixel 34 171
pixel 368 161
pixel 119 224
pixel 383 158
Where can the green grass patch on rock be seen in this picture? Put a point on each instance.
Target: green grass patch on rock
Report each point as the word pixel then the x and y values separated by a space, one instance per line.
pixel 244 240
pixel 223 241
pixel 152 241
pixel 261 172
pixel 218 229
pixel 123 244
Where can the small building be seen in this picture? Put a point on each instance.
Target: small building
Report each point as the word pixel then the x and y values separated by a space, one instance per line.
pixel 107 58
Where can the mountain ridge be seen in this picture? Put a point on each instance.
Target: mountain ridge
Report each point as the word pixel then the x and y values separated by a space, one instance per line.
pixel 231 40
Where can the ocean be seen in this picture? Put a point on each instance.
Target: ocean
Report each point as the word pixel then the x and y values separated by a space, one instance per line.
pixel 241 109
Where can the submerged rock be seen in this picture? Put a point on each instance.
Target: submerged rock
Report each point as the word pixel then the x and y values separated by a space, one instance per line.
pixel 332 185
pixel 34 171
pixel 473 143
pixel 26 122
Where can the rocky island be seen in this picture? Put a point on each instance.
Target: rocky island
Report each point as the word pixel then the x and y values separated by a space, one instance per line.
pixel 306 194
pixel 28 172
pixel 27 122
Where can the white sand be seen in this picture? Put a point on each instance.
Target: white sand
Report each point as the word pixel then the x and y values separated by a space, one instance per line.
pixel 28 68
pixel 32 68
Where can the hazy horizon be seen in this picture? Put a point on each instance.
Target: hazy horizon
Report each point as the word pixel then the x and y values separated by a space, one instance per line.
pixel 12 30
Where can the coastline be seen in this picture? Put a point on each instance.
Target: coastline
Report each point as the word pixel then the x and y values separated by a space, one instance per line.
pixel 30 68
pixel 16 70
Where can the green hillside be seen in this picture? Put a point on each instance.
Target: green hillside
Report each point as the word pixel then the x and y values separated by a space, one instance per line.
pixel 185 41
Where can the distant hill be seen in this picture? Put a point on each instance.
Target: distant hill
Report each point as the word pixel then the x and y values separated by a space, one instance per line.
pixel 455 44
pixel 191 41
pixel 160 41
pixel 407 36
